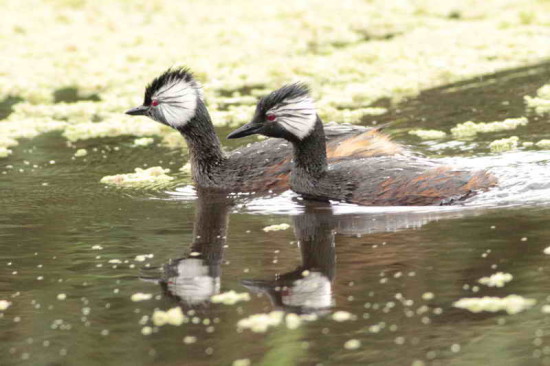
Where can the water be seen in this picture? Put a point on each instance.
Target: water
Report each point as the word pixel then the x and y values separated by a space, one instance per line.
pixel 376 263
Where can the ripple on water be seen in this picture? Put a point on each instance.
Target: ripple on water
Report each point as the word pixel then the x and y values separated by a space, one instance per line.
pixel 523 178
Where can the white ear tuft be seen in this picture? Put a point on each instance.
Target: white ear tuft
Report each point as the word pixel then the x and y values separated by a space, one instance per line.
pixel 297 115
pixel 178 101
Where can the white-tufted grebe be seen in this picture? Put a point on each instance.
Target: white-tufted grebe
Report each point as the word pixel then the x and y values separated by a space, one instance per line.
pixel 175 99
pixel 290 113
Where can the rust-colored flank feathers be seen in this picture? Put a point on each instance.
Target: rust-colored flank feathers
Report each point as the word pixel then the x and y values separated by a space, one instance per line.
pixel 371 143
pixel 368 144
pixel 438 186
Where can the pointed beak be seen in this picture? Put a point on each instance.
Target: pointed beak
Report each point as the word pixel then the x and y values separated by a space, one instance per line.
pixel 138 111
pixel 246 130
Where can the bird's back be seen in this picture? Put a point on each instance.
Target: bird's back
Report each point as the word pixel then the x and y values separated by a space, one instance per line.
pixel 395 181
pixel 267 165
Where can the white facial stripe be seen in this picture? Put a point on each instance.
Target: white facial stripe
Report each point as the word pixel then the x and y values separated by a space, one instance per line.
pixel 177 101
pixel 296 115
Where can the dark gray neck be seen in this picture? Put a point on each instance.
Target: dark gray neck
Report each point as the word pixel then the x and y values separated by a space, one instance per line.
pixel 310 154
pixel 205 149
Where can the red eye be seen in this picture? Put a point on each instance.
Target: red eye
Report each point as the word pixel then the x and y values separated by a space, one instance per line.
pixel 271 117
pixel 154 102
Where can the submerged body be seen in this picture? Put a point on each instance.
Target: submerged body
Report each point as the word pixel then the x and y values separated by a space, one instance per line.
pixel 175 99
pixel 378 181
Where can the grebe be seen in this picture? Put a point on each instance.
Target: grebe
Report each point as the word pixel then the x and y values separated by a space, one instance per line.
pixel 175 99
pixel 290 113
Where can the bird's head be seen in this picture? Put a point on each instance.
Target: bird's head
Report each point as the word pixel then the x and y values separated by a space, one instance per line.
pixel 288 113
pixel 171 98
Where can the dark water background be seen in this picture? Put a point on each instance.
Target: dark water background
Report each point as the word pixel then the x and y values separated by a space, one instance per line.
pixel 375 264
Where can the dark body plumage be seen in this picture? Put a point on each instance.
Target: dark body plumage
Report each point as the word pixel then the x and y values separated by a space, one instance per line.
pixel 383 181
pixel 379 181
pixel 259 167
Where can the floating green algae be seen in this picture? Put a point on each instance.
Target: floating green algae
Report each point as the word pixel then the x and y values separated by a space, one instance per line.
pixel 505 144
pixel 541 103
pixel 428 134
pixel 471 129
pixel 350 67
pixel 140 178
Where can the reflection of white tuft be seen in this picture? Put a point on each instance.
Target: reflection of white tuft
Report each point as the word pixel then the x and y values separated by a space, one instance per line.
pixel 193 284
pixel 313 291
pixel 178 101
pixel 296 115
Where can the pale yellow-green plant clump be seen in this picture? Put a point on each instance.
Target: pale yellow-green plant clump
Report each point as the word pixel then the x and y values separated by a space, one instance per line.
pixel 173 316
pixel 173 140
pixel 278 227
pixel 112 126
pixel 505 144
pixel 292 321
pixel 498 279
pixel 260 323
pixel 142 177
pixel 4 152
pixel 241 362
pixel 352 344
pixel 342 316
pixel 428 134
pixel 230 297
pixel 144 141
pixel 186 168
pixel 543 144
pixel 348 115
pixel 471 129
pixel 80 152
pixel 512 304
pixel 6 142
pixel 103 50
pixel 140 296
pixel 4 304
pixel 541 103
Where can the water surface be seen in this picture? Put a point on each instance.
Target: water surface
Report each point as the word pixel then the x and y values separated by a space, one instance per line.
pixel 376 263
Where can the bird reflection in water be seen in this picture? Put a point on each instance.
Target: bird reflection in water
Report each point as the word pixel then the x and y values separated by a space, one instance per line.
pixel 194 278
pixel 308 288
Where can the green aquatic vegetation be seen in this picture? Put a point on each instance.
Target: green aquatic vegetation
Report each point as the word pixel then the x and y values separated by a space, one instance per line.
pixel 505 144
pixel 6 142
pixel 173 140
pixel 115 125
pixel 4 152
pixel 276 227
pixel 144 141
pixel 140 178
pixel 260 323
pixel 350 65
pixel 352 344
pixel 348 115
pixel 241 362
pixel 512 304
pixel 543 144
pixel 140 296
pixel 541 103
pixel 498 279
pixel 4 304
pixel 173 316
pixel 80 153
pixel 428 134
pixel 471 129
pixel 342 316
pixel 230 297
